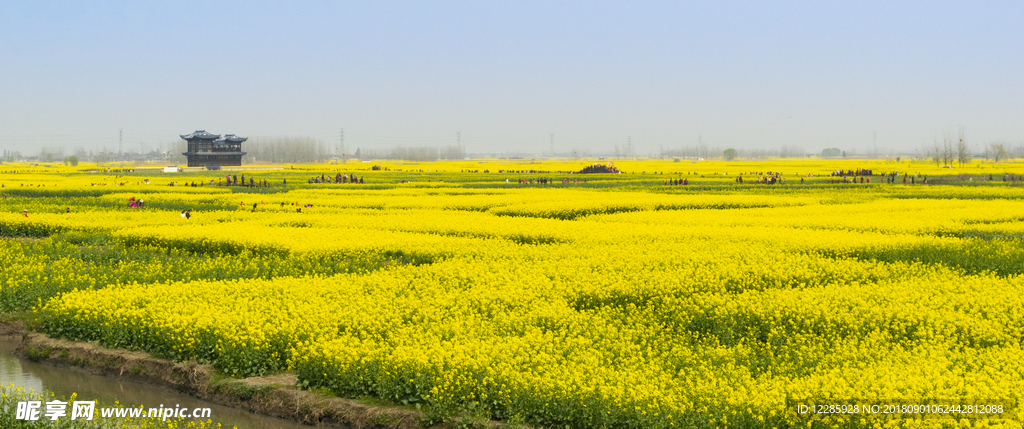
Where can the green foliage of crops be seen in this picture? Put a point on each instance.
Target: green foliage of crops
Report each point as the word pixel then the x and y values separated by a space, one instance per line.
pixel 615 301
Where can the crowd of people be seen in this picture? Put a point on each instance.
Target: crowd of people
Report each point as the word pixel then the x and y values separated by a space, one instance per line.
pixel 233 181
pixel 521 171
pixel 857 172
pixel 892 177
pixel 338 178
pixel 546 180
pixel 764 178
pixel 228 180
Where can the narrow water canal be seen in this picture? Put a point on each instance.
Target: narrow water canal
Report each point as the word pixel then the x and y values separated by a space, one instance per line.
pixel 64 381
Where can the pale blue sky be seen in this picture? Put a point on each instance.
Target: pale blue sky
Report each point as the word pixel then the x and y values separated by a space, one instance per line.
pixel 507 74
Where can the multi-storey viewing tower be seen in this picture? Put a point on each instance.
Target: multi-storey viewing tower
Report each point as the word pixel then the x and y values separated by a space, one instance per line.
pixel 210 150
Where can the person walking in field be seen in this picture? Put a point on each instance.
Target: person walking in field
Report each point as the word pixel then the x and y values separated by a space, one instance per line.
pixel 24 212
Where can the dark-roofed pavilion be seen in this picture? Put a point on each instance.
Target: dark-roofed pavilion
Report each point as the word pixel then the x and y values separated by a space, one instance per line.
pixel 205 149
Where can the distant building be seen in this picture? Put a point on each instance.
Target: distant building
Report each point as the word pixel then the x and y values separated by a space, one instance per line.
pixel 205 149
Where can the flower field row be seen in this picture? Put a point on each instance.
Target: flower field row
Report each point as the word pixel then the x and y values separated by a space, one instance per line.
pixel 570 307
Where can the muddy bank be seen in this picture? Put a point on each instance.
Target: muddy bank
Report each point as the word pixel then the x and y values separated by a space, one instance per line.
pixel 63 381
pixel 273 395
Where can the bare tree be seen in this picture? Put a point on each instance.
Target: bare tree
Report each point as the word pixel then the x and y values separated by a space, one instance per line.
pixel 935 152
pixel 963 153
pixel 947 148
pixel 1016 151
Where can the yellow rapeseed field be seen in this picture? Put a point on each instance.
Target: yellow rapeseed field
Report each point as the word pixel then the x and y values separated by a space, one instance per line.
pixel 521 291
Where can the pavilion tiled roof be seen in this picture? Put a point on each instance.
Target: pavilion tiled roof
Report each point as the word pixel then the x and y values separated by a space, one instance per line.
pixel 231 138
pixel 200 134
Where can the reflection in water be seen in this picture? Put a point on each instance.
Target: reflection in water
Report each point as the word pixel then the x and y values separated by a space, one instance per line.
pixel 12 372
pixel 64 381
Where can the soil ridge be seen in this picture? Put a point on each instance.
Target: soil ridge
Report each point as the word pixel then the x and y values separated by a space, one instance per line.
pixel 274 395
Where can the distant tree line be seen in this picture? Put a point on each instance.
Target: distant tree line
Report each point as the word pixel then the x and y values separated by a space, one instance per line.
pixel 952 149
pixel 691 152
pixel 432 153
pixel 279 150
pixel 258 149
pixel 706 152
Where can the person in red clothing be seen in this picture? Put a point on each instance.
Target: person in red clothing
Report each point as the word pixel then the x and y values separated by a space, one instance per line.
pixel 25 213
